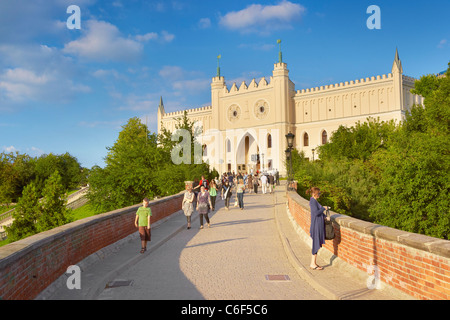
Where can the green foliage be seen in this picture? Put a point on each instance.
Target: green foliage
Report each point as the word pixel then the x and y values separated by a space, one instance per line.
pixel 53 211
pixel 33 215
pixel 139 165
pixel 18 170
pixel 25 215
pixel 396 175
pixel 358 142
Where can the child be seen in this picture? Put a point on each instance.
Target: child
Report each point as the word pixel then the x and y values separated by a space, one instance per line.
pixel 142 222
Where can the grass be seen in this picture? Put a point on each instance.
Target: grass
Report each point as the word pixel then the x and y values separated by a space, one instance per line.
pixel 84 211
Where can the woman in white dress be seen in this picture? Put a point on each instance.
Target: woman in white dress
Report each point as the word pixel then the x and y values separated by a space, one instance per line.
pixel 187 205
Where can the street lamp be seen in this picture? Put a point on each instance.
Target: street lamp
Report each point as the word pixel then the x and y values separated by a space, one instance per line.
pixel 313 153
pixel 290 142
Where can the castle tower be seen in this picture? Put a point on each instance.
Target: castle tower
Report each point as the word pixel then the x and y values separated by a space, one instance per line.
pixel 161 113
pixel 397 74
pixel 284 90
pixel 217 89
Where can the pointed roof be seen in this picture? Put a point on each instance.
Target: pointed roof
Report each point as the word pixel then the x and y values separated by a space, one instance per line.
pixel 161 106
pixel 397 62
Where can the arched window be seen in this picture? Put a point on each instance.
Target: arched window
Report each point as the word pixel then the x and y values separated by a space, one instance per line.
pixel 269 141
pixel 228 145
pixel 324 137
pixel 305 140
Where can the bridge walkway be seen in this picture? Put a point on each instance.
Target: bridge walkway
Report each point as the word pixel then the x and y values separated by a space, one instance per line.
pixel 250 254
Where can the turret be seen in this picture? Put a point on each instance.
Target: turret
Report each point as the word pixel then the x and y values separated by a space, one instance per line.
pixel 397 75
pixel 161 113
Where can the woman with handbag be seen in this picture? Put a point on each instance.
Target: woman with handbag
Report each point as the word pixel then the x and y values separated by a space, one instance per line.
pixel 317 228
pixel 203 199
pixel 226 189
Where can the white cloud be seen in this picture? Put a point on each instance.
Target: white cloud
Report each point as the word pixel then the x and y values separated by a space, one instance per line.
pixel 442 43
pixel 163 37
pixel 172 72
pixel 263 18
pixel 36 73
pixel 147 37
pixel 204 23
pixel 166 36
pixel 10 149
pixel 102 41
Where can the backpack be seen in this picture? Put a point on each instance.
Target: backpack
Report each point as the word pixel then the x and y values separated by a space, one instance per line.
pixel 329 229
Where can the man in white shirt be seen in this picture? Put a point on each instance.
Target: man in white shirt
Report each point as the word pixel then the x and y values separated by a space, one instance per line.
pixel 264 183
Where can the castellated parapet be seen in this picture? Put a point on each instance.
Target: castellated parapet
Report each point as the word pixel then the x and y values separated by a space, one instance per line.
pixel 348 84
pixel 243 88
pixel 189 111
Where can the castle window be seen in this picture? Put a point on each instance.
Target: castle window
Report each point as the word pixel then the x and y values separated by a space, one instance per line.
pixel 228 145
pixel 324 137
pixel 269 141
pixel 305 140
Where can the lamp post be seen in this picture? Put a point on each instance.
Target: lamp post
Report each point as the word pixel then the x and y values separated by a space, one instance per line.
pixel 313 153
pixel 290 143
pixel 262 156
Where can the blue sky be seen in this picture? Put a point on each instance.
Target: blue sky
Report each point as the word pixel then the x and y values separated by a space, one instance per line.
pixel 64 90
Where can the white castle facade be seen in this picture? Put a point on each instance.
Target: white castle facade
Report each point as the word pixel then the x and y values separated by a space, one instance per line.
pixel 253 119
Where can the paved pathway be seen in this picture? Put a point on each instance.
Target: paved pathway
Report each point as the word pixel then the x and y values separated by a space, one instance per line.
pixel 229 260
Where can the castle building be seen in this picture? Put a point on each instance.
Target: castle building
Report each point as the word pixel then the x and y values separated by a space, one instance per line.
pixel 244 128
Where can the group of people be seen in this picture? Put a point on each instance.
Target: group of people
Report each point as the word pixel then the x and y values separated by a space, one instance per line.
pixel 205 199
pixel 201 194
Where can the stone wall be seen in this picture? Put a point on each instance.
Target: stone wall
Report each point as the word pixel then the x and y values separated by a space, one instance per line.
pixel 415 264
pixel 28 266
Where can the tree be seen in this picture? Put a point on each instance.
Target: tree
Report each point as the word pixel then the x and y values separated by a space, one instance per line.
pixel 53 210
pixel 131 165
pixel 68 167
pixel 414 171
pixel 25 215
pixel 359 141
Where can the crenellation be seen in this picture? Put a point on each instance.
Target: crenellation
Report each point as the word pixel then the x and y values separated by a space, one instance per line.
pixel 351 83
pixel 189 111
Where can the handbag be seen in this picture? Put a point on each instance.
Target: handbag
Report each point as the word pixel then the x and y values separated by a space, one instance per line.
pixel 329 229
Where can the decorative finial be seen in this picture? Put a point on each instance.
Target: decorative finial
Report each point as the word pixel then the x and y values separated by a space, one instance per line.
pixel 218 65
pixel 280 55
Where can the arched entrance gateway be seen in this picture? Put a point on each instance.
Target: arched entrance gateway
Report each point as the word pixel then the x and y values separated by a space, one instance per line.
pixel 247 151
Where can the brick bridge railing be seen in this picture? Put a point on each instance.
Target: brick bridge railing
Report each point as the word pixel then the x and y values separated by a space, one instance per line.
pixel 29 265
pixel 415 264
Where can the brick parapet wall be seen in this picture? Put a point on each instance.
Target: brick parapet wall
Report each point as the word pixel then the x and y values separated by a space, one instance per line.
pixel 29 265
pixel 415 264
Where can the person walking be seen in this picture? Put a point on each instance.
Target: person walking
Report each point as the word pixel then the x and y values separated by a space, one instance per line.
pixel 255 183
pixel 203 200
pixel 142 222
pixel 213 194
pixel 317 228
pixel 250 183
pixel 188 203
pixel 271 182
pixel 240 187
pixel 226 189
pixel 264 183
